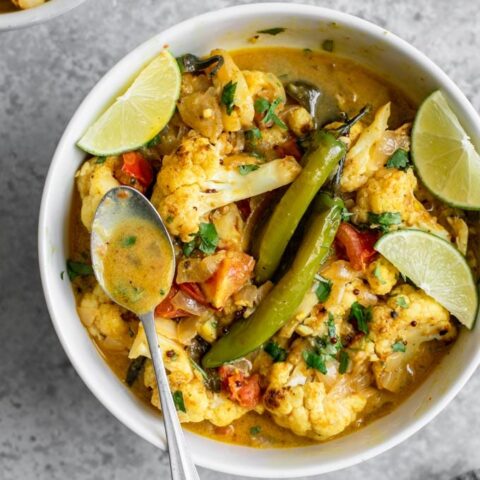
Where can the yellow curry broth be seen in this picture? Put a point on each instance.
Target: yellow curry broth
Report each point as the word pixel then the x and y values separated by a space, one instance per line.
pixel 136 265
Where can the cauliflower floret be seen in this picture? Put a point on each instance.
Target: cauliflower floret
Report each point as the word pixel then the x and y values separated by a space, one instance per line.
pixel 176 360
pixel 409 319
pixel 308 402
pixel 271 138
pixel 460 229
pixel 243 112
pixel 381 276
pixel 94 180
pixel 265 85
pixel 299 121
pixel 364 158
pixel 192 182
pixel 104 321
pixel 392 190
pixel 24 4
pixel 230 227
pixel 200 403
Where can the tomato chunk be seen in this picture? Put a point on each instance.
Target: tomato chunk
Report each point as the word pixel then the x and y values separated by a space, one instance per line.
pixel 245 390
pixel 231 275
pixel 166 309
pixel 358 245
pixel 137 168
pixel 193 290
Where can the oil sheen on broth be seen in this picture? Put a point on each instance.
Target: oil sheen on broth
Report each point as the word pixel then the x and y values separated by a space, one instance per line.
pixel 136 258
pixel 354 86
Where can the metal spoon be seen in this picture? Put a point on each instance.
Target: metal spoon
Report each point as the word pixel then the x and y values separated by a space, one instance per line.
pixel 122 204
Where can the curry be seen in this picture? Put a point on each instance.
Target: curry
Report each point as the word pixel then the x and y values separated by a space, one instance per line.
pixel 283 326
pixel 14 5
pixel 136 251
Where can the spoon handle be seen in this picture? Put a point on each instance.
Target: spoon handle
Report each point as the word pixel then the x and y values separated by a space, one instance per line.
pixel 181 464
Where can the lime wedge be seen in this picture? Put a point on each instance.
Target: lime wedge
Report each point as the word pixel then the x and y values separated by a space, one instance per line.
pixel 435 266
pixel 140 113
pixel 445 157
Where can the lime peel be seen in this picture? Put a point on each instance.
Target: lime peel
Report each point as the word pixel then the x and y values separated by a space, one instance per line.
pixel 140 113
pixel 435 266
pixel 444 156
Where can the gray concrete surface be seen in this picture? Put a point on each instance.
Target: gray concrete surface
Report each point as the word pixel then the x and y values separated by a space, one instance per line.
pixel 51 427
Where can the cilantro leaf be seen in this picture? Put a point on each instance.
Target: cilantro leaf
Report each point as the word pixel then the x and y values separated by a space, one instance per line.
pixel 154 141
pixel 255 430
pixel 315 361
pixel 344 361
pixel 246 169
pixel 332 331
pixel 272 31
pixel 128 241
pixel 323 290
pixel 385 219
pixel 228 96
pixel 253 135
pixel 78 269
pixel 278 353
pixel 400 160
pixel 401 302
pixel 263 106
pixel 398 346
pixel 100 160
pixel 178 401
pixel 206 240
pixel 360 316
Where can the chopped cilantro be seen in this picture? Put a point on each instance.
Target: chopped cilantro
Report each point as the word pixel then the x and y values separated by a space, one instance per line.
pixel 178 401
pixel 315 361
pixel 206 240
pixel 344 361
pixel 345 215
pixel 377 272
pixel 169 219
pixel 134 370
pixel 323 290
pixel 328 45
pixel 272 31
pixel 307 50
pixel 263 106
pixel 253 135
pixel 385 219
pixel 78 269
pixel 62 274
pixel 162 291
pixel 100 160
pixel 401 302
pixel 398 346
pixel 228 96
pixel 255 430
pixel 128 241
pixel 277 353
pixel 399 160
pixel 361 316
pixel 246 169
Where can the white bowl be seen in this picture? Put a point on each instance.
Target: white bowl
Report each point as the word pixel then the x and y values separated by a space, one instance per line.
pixel 32 16
pixel 306 26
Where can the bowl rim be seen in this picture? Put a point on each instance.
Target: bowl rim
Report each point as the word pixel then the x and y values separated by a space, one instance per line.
pixel 394 43
pixel 36 15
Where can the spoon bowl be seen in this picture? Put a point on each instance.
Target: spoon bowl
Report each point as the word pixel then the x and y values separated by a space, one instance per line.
pixel 122 213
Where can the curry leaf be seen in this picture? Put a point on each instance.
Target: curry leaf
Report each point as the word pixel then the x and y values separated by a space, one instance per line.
pixel 272 31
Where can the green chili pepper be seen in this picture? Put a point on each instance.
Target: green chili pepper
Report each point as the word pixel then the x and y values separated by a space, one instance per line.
pixel 320 162
pixel 281 303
